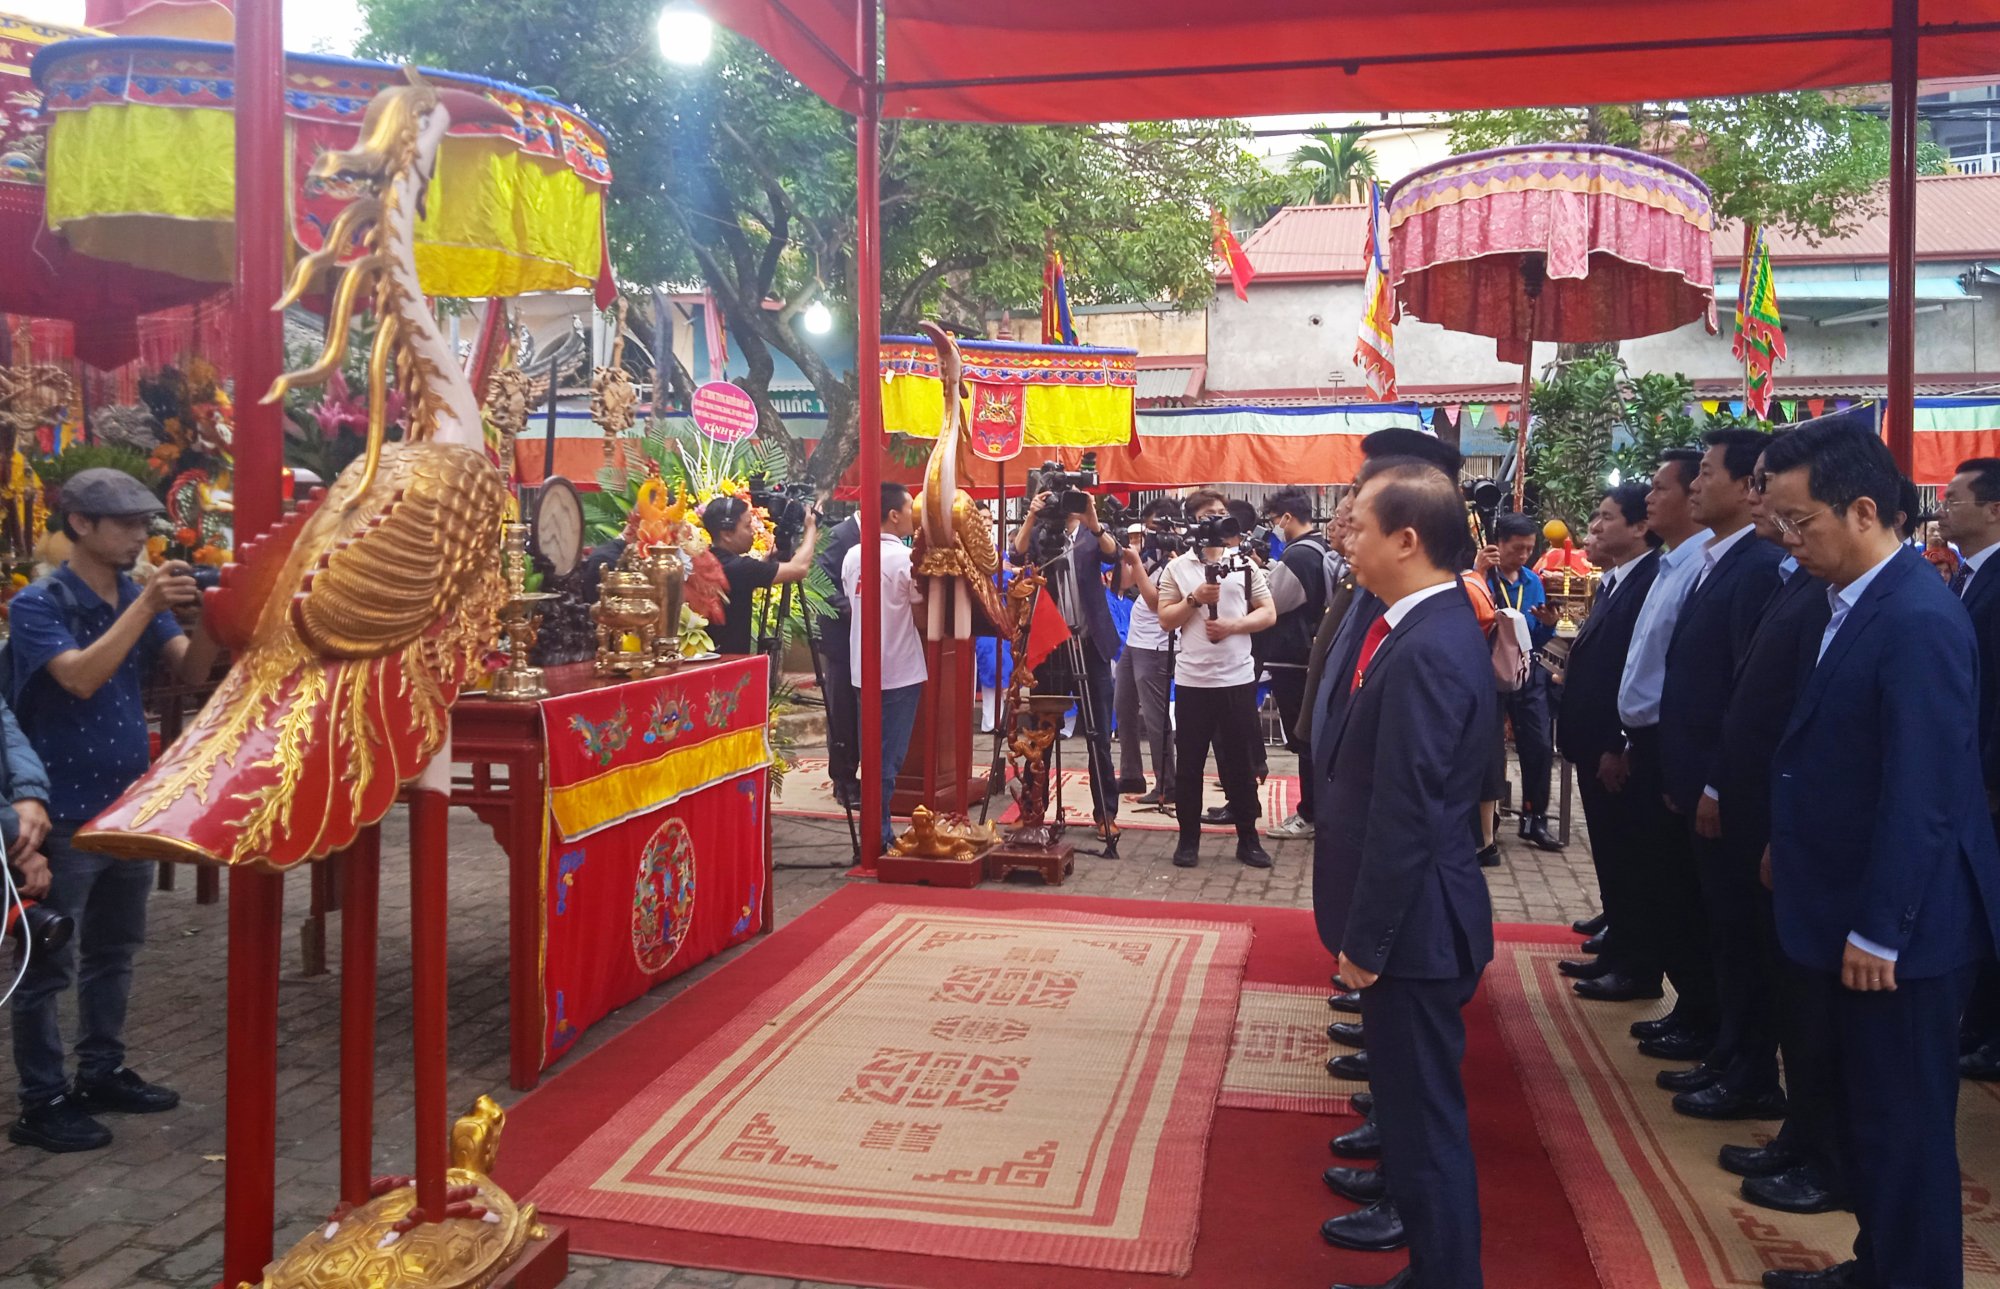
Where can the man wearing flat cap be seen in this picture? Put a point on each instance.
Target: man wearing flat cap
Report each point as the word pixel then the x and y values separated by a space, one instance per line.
pixel 83 642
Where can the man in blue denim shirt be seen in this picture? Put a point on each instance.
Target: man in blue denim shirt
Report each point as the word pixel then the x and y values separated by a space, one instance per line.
pixel 83 642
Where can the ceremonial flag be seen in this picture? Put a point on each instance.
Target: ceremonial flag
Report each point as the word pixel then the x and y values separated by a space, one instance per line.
pixel 1057 329
pixel 1046 631
pixel 1375 347
pixel 1760 334
pixel 1228 249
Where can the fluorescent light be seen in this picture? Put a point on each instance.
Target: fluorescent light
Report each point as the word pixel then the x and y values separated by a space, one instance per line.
pixel 818 319
pixel 687 36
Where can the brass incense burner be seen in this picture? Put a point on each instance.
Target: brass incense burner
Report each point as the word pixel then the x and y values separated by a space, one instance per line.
pixel 627 606
pixel 520 617
pixel 667 569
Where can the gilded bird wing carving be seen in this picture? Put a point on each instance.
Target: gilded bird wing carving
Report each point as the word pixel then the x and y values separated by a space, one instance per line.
pixel 408 550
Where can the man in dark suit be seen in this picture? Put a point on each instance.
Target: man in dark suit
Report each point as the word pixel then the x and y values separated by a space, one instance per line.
pixel 1802 1169
pixel 843 711
pixel 1970 516
pixel 1885 873
pixel 1404 902
pixel 1715 894
pixel 1588 731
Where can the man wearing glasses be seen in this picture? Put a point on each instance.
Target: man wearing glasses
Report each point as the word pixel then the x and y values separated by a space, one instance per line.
pixel 1885 875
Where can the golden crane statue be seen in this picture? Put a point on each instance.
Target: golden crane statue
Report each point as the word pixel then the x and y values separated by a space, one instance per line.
pixel 354 622
pixel 954 545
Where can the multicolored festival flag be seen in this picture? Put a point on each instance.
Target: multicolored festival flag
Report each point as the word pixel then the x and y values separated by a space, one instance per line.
pixel 1229 250
pixel 1057 327
pixel 1760 332
pixel 1375 347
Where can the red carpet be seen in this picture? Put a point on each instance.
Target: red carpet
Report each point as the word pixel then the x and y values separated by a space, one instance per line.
pixel 1261 1199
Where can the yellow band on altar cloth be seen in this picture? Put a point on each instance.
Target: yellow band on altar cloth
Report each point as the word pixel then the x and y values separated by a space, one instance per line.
pixel 583 808
pixel 1075 416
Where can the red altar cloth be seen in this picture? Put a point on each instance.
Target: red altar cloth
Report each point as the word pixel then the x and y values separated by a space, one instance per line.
pixel 655 855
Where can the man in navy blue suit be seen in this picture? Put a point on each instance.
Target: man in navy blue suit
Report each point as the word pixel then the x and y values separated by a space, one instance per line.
pixel 1885 875
pixel 1403 899
pixel 1970 516
pixel 1715 885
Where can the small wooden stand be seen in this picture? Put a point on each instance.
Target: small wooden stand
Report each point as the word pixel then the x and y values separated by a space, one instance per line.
pixel 910 870
pixel 543 1264
pixel 1040 850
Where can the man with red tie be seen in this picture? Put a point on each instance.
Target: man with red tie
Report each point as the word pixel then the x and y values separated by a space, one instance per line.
pixel 1404 901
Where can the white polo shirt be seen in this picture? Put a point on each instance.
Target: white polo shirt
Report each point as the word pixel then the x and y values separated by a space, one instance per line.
pixel 1202 663
pixel 902 648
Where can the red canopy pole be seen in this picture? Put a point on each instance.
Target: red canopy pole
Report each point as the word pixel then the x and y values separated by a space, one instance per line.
pixel 256 899
pixel 868 372
pixel 1901 409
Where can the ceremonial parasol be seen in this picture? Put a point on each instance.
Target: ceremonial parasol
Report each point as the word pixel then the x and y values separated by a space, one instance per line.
pixel 1573 243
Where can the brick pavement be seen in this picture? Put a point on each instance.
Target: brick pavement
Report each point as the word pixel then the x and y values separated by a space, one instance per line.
pixel 148 1210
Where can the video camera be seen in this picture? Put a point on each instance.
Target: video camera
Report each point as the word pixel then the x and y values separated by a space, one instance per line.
pixel 1068 486
pixel 41 929
pixel 787 504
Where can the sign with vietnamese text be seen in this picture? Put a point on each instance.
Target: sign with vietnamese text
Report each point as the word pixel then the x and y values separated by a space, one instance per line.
pixel 724 412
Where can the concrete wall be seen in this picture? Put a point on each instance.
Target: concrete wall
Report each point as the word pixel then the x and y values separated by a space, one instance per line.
pixel 1150 331
pixel 1301 336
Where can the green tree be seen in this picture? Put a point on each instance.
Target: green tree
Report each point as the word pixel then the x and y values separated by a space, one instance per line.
pixel 1593 419
pixel 1334 167
pixel 732 175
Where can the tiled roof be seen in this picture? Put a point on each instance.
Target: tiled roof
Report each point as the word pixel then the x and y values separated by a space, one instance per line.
pixel 1958 217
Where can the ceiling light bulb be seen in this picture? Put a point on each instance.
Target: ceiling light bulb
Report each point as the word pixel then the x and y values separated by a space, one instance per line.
pixel 818 319
pixel 687 36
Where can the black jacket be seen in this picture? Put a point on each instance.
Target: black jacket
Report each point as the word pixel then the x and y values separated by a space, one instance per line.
pixel 1290 639
pixel 1397 885
pixel 1709 641
pixel 1982 601
pixel 1587 724
pixel 833 627
pixel 1780 655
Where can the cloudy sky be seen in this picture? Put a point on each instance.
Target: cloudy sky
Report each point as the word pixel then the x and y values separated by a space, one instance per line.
pixel 329 26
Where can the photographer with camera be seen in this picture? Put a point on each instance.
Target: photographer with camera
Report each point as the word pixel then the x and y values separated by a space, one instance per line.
pixel 1145 668
pixel 84 640
pixel 1514 585
pixel 1301 583
pixel 1068 543
pixel 1217 598
pixel 731 534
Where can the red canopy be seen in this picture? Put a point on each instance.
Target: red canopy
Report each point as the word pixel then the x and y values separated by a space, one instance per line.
pixel 1120 60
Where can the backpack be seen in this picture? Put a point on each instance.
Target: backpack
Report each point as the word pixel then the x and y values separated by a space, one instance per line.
pixel 66 605
pixel 1513 649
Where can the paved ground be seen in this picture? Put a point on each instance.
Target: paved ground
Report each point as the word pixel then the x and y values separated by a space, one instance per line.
pixel 148 1211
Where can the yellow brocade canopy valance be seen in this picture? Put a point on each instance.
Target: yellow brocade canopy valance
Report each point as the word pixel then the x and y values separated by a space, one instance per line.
pixel 1071 396
pixel 142 155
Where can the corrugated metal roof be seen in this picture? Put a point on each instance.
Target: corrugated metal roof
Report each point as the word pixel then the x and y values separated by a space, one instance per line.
pixel 1164 382
pixel 1958 217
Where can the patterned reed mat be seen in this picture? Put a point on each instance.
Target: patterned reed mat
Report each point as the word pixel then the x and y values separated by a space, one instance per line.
pixel 1656 1211
pixel 1277 1058
pixel 1033 1085
pixel 808 792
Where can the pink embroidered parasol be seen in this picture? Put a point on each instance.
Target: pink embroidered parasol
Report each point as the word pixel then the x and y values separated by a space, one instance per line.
pixel 1566 242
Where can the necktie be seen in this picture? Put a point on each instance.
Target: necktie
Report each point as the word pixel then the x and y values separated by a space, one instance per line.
pixel 1605 587
pixel 1962 579
pixel 1378 630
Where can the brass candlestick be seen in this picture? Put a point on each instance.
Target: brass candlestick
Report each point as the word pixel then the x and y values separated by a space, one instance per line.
pixel 626 605
pixel 667 568
pixel 519 682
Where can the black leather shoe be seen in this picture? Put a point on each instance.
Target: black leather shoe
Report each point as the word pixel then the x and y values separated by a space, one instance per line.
pixel 1131 785
pixel 1252 855
pixel 1675 1045
pixel 1186 856
pixel 123 1092
pixel 1657 1026
pixel 1364 1142
pixel 1362 1185
pixel 1349 1002
pixel 1349 1065
pixel 1218 815
pixel 1617 988
pixel 1347 1033
pixel 1596 943
pixel 1590 926
pixel 1693 1079
pixel 1404 1279
pixel 1375 1229
pixel 59 1126
pixel 1803 1189
pixel 1490 856
pixel 1757 1161
pixel 1845 1276
pixel 1982 1065
pixel 1538 834
pixel 1719 1101
pixel 1587 968
pixel 1362 1103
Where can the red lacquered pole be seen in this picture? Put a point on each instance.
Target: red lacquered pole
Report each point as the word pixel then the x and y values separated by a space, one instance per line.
pixel 868 364
pixel 250 1131
pixel 361 898
pixel 1901 408
pixel 429 836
